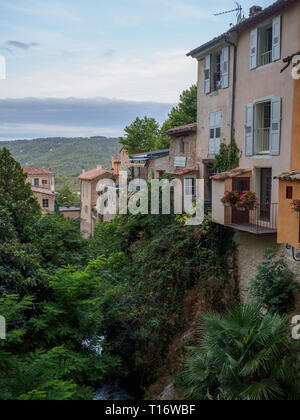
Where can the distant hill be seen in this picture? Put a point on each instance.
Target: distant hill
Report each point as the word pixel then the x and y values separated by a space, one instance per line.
pixel 66 156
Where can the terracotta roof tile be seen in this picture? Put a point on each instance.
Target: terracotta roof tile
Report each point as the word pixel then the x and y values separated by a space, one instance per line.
pixel 289 176
pixel 33 170
pixel 93 174
pixel 42 191
pixel 184 171
pixel 182 129
pixel 230 174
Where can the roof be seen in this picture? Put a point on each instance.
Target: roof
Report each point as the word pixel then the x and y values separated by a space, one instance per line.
pixel 150 155
pixel 230 174
pixel 182 129
pixel 184 171
pixel 42 191
pixel 289 176
pixel 93 174
pixel 69 209
pixel 34 170
pixel 244 24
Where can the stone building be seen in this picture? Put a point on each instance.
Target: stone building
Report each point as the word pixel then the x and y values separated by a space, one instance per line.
pixel 43 186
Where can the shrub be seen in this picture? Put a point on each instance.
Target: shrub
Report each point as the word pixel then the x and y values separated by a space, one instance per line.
pixel 274 285
pixel 244 355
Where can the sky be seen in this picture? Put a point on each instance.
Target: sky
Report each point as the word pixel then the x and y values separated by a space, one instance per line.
pixel 89 67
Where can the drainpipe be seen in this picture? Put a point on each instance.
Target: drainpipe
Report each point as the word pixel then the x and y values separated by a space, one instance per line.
pixel 234 84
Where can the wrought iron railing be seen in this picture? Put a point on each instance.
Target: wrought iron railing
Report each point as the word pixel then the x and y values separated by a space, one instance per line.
pixel 264 217
pixel 262 140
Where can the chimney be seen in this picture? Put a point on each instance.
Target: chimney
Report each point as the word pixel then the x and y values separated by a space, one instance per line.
pixel 99 166
pixel 254 10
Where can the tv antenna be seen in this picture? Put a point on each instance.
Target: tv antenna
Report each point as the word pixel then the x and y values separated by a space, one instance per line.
pixel 238 9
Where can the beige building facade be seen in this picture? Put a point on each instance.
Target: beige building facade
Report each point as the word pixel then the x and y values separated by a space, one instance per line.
pixel 89 196
pixel 43 186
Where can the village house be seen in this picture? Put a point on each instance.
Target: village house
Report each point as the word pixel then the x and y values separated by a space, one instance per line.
pixel 243 94
pixel 116 167
pixel 43 186
pixel 89 197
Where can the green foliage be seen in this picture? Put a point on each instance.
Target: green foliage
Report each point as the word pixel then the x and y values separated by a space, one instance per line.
pixel 228 157
pixel 155 261
pixel 141 136
pixel 65 156
pixel 274 286
pixel 244 355
pixel 185 112
pixel 67 198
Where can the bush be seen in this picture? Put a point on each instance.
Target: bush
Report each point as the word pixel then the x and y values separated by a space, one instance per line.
pixel 244 355
pixel 274 286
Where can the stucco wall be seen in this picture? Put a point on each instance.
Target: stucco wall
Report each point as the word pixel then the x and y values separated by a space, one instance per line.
pixel 267 82
pixel 51 200
pixel 190 150
pixel 288 221
pixel 220 100
pixel 155 165
pixel 218 213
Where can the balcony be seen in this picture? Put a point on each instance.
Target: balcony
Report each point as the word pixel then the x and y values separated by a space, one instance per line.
pixel 262 140
pixel 262 220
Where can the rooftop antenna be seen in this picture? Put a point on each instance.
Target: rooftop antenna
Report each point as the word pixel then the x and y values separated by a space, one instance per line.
pixel 238 9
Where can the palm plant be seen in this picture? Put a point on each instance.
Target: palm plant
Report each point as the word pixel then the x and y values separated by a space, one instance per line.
pixel 244 355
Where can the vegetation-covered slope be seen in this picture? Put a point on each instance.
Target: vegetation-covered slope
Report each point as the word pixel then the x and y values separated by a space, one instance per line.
pixel 64 155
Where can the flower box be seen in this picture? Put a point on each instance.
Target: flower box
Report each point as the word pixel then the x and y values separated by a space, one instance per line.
pixel 230 198
pixel 295 205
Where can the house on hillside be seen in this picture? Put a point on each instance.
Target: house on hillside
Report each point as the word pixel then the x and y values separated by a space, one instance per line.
pixel 148 165
pixel 89 197
pixel 243 95
pixel 43 186
pixel 116 167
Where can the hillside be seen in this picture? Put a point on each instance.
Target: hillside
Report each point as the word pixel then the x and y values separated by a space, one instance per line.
pixel 66 156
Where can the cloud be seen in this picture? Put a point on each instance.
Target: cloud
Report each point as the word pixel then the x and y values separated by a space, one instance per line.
pixel 157 77
pixel 32 117
pixel 22 45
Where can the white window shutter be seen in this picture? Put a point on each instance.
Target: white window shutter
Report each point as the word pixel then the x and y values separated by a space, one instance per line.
pixel 207 74
pixel 249 130
pixel 276 42
pixel 211 148
pixel 32 182
pixel 253 48
pixel 40 182
pixel 275 126
pixel 225 67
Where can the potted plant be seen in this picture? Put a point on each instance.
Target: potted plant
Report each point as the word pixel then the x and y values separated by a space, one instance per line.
pixel 295 204
pixel 247 200
pixel 230 198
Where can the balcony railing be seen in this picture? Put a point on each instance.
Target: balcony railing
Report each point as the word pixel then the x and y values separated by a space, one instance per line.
pixel 265 58
pixel 262 220
pixel 262 140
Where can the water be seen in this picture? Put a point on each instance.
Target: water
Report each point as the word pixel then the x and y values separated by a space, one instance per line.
pixel 112 391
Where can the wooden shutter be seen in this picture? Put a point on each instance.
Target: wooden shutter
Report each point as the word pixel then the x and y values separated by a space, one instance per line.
pixel 276 42
pixel 211 148
pixel 218 125
pixel 207 73
pixel 249 130
pixel 225 67
pixel 275 126
pixel 253 48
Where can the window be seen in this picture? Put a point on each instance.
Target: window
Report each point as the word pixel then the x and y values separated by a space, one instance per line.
pixel 36 182
pixel 44 182
pixel 263 126
pixel 265 43
pixel 189 187
pixel 45 204
pixel 181 147
pixel 289 193
pixel 216 70
pixel 215 123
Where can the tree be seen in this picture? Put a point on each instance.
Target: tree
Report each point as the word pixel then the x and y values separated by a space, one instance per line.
pixel 274 286
pixel 67 198
pixel 141 136
pixel 16 196
pixel 244 355
pixel 185 112
pixel 227 158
